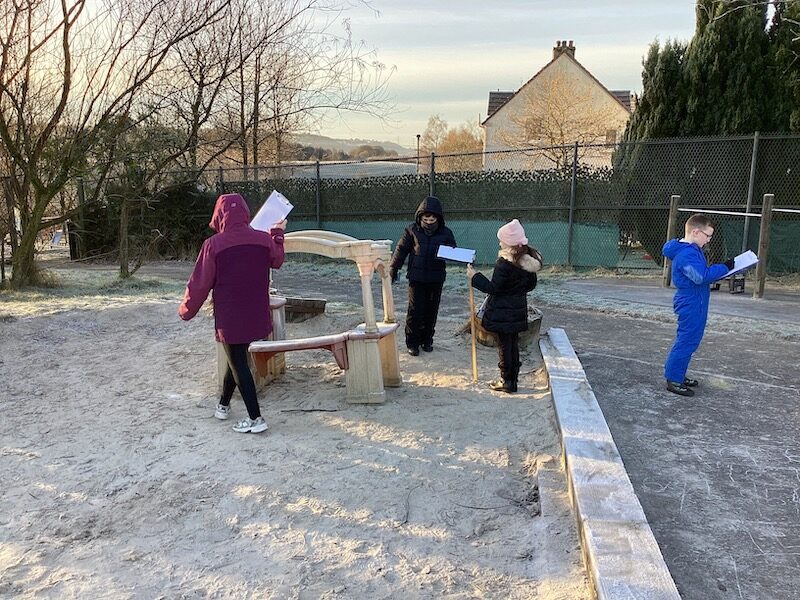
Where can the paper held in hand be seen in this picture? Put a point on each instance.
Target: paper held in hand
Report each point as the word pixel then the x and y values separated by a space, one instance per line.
pixel 742 262
pixel 464 255
pixel 274 210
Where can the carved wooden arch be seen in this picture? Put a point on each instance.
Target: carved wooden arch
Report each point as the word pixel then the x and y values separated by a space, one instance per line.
pixel 369 256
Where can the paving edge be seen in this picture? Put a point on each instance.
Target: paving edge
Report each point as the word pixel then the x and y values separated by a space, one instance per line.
pixel 621 554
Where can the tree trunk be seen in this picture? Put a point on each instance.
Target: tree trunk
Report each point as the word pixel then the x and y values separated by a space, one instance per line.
pixel 12 222
pixel 23 263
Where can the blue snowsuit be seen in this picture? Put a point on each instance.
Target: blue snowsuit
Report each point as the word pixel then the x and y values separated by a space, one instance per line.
pixel 692 277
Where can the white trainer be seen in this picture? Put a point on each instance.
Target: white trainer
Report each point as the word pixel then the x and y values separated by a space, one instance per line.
pixel 251 425
pixel 222 412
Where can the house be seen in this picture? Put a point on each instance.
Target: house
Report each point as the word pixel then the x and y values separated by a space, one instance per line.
pixel 561 104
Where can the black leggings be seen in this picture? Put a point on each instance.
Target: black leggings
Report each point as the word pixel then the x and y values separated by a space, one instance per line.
pixel 508 352
pixel 423 308
pixel 238 375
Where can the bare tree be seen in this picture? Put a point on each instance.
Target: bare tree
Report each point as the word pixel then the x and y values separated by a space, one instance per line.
pixel 457 148
pixel 307 68
pixel 556 112
pixel 72 73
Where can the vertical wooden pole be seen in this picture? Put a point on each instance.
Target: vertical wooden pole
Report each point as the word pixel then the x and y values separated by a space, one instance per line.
pixel 472 331
pixel 672 225
pixel 763 244
pixel 80 241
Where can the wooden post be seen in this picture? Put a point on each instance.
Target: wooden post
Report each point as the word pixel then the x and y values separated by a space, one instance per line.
pixel 472 331
pixel 80 240
pixel 388 297
pixel 763 245
pixel 672 225
pixel 365 271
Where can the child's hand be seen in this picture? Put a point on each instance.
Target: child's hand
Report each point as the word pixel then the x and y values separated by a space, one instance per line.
pixel 281 225
pixel 470 272
pixel 729 263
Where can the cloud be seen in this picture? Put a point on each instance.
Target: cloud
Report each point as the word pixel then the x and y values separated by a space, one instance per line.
pixel 449 54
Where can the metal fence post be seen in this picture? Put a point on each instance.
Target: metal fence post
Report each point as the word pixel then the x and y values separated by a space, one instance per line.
pixel 572 193
pixel 672 226
pixel 763 244
pixel 433 175
pixel 750 190
pixel 221 182
pixel 317 198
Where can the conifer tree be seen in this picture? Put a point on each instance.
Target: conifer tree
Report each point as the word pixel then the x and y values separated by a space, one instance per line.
pixel 728 79
pixel 785 64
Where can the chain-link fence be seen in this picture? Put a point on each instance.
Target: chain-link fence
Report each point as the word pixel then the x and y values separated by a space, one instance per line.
pixel 584 206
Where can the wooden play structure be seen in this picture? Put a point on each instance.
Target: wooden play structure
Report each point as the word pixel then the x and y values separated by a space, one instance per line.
pixel 368 354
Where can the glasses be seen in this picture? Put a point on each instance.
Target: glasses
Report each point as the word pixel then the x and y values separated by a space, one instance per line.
pixel 708 235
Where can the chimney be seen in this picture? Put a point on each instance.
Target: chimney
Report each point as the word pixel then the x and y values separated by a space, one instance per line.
pixel 563 47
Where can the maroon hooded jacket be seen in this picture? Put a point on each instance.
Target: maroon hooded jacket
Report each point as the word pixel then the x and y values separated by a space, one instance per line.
pixel 235 263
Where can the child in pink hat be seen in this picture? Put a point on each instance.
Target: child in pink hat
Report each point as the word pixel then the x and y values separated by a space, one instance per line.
pixel 506 312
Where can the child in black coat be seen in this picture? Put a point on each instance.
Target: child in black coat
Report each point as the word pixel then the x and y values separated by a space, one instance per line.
pixel 426 273
pixel 506 312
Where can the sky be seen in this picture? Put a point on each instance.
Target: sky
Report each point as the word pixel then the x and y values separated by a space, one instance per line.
pixel 448 54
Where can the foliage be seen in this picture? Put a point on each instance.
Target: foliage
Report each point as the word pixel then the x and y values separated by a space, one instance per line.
pixel 733 78
pixel 180 214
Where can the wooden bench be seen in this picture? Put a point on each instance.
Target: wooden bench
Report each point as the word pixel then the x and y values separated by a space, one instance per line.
pixel 335 343
pixel 342 346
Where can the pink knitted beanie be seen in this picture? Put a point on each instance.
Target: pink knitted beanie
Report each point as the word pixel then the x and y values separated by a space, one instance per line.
pixel 512 234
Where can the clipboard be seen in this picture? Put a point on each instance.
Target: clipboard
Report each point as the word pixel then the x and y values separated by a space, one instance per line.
pixel 274 210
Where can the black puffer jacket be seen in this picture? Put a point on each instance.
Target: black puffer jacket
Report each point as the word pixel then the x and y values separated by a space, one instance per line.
pixel 421 248
pixel 507 308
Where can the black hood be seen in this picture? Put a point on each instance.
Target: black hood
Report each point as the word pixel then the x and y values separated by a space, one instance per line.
pixel 431 204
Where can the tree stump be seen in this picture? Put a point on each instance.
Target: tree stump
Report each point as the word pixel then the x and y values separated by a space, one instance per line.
pixel 302 309
pixel 487 338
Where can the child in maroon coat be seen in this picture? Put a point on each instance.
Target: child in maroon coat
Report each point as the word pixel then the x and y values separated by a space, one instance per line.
pixel 235 264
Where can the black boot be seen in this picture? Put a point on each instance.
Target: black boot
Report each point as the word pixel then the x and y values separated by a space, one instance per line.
pixel 413 350
pixel 679 388
pixel 502 385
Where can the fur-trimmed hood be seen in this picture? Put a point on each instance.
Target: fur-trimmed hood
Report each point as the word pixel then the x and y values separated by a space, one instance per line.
pixel 526 261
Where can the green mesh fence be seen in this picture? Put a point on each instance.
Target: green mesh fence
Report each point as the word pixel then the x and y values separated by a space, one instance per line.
pixel 583 206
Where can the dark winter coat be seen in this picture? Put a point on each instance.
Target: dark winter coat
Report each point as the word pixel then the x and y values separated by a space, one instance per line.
pixel 421 248
pixel 235 263
pixel 507 308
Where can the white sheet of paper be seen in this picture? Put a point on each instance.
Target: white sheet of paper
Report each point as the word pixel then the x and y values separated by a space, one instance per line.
pixel 274 210
pixel 464 255
pixel 742 262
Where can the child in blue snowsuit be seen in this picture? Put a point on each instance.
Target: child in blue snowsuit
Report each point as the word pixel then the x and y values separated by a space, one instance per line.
pixel 692 277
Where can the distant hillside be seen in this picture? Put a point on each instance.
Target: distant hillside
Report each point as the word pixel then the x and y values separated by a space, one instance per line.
pixel 327 143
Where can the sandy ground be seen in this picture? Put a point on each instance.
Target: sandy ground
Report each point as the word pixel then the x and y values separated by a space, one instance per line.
pixel 117 482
